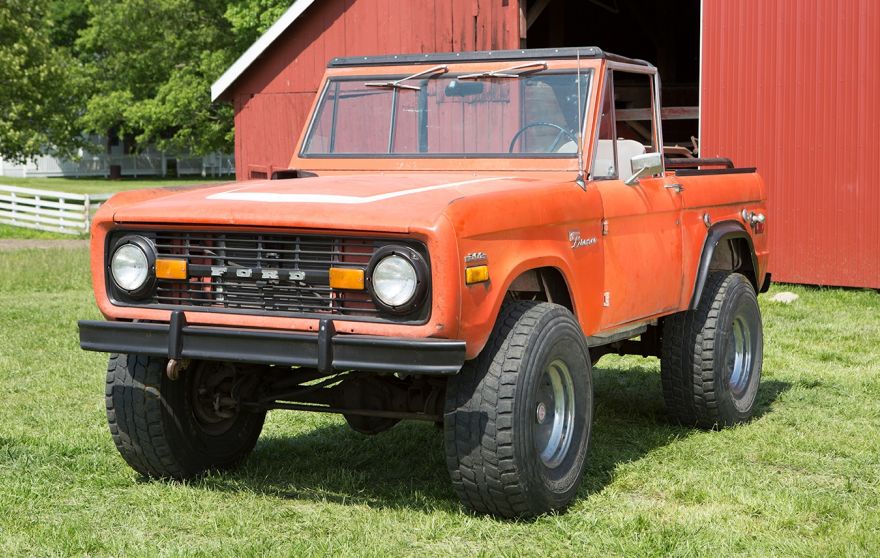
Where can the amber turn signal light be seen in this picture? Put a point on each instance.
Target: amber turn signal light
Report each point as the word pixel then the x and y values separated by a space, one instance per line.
pixel 347 278
pixel 476 274
pixel 171 269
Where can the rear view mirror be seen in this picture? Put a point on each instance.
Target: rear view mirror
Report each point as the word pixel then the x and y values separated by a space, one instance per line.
pixel 457 88
pixel 648 164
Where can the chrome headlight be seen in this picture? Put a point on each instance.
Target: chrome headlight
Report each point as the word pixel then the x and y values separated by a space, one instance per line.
pixel 398 278
pixel 132 265
pixel 394 280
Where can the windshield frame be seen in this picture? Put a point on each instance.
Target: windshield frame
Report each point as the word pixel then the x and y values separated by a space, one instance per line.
pixel 589 71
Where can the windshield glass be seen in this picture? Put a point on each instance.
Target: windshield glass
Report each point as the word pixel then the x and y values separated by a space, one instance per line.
pixel 443 115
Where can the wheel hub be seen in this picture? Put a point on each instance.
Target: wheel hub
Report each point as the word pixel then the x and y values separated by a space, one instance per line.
pixel 553 429
pixel 214 401
pixel 541 412
pixel 739 356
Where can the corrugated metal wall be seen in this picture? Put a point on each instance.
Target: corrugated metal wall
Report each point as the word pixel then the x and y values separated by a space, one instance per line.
pixel 793 87
pixel 273 97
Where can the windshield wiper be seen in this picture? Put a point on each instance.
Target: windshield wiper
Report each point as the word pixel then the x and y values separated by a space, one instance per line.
pixel 399 83
pixel 511 72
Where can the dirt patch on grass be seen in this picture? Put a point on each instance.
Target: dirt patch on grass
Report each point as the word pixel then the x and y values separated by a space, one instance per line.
pixel 7 245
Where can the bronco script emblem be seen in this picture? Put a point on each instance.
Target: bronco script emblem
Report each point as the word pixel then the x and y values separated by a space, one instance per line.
pixel 574 237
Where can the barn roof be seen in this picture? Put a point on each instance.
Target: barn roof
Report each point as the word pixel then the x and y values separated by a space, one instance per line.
pixel 220 87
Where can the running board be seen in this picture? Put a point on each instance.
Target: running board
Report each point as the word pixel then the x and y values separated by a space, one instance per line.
pixel 615 336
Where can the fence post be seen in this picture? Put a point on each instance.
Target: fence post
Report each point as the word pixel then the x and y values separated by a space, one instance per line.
pixel 14 208
pixel 87 206
pixel 38 206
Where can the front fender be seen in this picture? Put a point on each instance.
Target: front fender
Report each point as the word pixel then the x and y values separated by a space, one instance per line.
pixel 527 229
pixel 482 302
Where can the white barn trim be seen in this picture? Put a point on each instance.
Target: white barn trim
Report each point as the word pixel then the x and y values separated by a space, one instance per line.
pixel 258 48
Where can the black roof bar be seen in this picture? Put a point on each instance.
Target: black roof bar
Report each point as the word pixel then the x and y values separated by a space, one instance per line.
pixel 473 56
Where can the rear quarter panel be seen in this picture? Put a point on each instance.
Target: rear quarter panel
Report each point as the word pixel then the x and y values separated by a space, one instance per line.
pixel 722 197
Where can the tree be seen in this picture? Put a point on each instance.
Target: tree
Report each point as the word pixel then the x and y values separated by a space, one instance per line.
pixel 151 63
pixel 249 18
pixel 40 86
pixel 138 69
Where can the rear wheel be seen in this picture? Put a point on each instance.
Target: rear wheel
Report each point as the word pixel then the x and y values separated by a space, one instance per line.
pixel 518 418
pixel 179 429
pixel 712 356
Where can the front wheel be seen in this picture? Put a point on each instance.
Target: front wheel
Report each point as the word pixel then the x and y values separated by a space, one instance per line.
pixel 712 356
pixel 179 429
pixel 517 420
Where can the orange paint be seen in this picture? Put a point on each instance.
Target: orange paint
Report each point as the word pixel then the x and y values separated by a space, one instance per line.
pixel 628 254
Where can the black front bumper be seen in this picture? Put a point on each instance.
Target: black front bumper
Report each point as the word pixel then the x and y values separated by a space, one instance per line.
pixel 324 350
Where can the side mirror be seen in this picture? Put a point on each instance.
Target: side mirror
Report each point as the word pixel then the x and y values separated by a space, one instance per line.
pixel 647 164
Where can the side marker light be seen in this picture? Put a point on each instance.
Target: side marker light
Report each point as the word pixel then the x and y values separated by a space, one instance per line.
pixel 476 274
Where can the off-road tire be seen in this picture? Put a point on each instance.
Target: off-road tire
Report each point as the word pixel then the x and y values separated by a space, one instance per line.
pixel 154 426
pixel 695 369
pixel 490 411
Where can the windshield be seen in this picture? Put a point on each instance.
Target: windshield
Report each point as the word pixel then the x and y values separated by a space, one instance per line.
pixel 442 115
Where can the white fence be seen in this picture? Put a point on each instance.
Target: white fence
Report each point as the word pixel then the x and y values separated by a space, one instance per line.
pixel 48 211
pixel 135 165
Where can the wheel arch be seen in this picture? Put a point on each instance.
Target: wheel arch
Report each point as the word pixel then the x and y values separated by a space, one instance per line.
pixel 547 283
pixel 555 272
pixel 728 246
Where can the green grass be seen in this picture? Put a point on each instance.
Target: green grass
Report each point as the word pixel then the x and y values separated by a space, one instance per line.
pixel 97 185
pixel 802 479
pixel 8 232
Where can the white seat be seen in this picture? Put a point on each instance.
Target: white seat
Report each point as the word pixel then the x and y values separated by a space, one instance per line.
pixel 604 163
pixel 626 150
pixel 568 147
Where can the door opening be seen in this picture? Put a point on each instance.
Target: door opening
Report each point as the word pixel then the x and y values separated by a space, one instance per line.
pixel 665 33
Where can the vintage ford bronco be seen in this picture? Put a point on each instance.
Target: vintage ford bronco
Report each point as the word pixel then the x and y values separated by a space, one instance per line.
pixel 458 239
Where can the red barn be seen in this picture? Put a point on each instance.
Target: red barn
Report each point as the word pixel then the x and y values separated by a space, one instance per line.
pixel 790 86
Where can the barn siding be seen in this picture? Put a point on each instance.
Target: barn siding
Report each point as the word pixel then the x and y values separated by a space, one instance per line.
pixel 791 86
pixel 273 97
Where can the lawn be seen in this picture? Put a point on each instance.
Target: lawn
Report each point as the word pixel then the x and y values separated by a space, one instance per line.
pixel 10 231
pixel 97 185
pixel 802 479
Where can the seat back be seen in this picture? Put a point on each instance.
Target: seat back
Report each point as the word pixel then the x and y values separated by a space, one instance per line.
pixel 626 150
pixel 604 164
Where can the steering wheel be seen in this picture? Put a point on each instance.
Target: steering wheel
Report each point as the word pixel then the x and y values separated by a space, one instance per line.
pixel 562 133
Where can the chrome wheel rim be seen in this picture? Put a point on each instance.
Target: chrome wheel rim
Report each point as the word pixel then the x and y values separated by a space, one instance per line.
pixel 554 414
pixel 739 356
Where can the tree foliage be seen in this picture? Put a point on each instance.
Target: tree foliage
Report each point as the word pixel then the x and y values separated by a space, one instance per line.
pixel 249 18
pixel 139 69
pixel 151 63
pixel 40 85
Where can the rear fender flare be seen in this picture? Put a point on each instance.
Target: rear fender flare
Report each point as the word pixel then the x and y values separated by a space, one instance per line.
pixel 725 230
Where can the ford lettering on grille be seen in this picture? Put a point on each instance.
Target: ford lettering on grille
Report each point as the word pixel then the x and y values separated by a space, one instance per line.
pixel 267 272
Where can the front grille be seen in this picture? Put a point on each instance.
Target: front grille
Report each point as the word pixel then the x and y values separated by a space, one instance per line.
pixel 266 272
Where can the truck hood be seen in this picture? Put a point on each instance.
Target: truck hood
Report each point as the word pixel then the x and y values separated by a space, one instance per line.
pixel 365 202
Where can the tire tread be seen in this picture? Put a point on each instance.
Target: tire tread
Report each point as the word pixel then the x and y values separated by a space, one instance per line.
pixel 688 355
pixel 480 406
pixel 137 430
